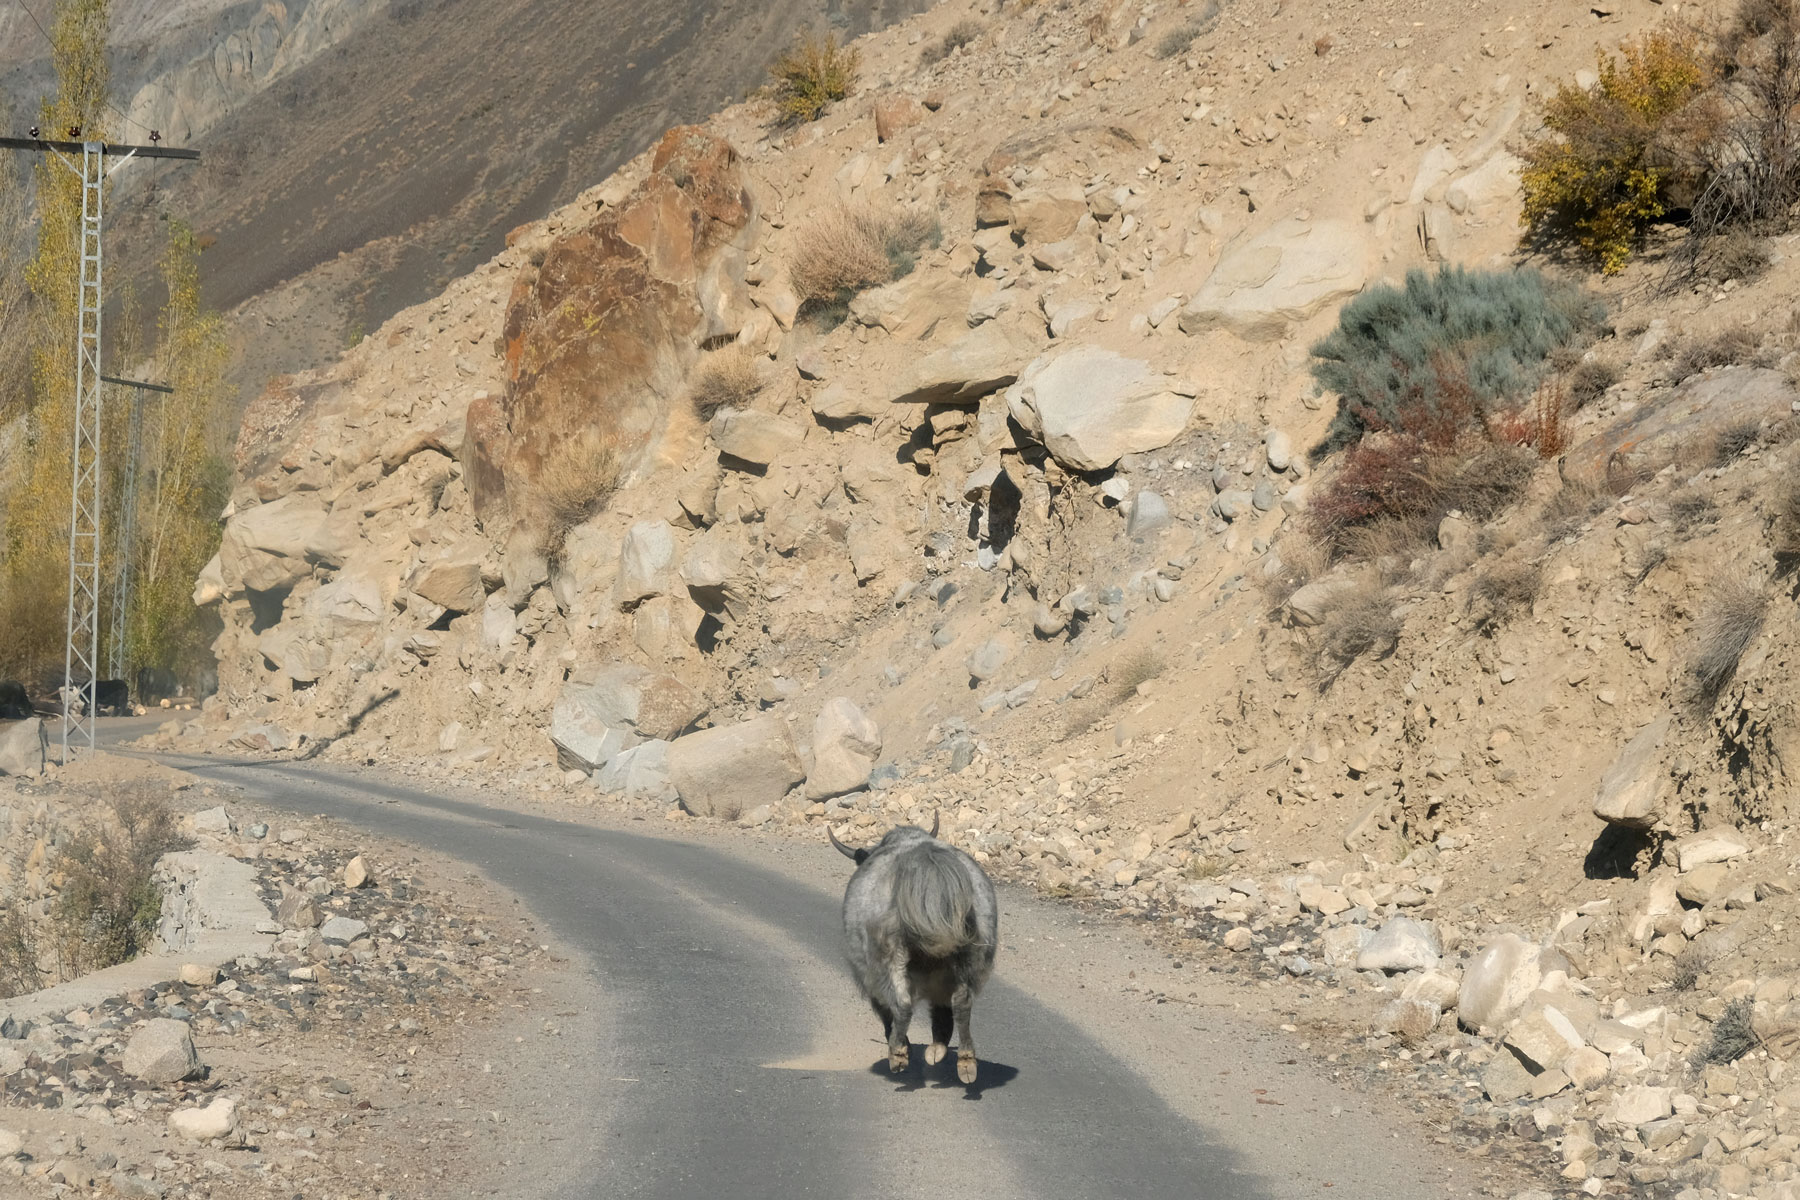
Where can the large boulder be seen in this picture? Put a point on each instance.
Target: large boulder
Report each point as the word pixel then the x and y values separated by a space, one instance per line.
pixel 451 578
pixel 161 1052
pixel 727 771
pixel 910 308
pixel 645 560
pixel 23 747
pixel 1285 274
pixel 1498 982
pixel 275 545
pixel 601 712
pixel 1402 944
pixel 1048 213
pixel 1668 422
pixel 1091 407
pixel 638 773
pixel 755 437
pixel 969 368
pixel 1631 791
pixel 599 337
pixel 845 745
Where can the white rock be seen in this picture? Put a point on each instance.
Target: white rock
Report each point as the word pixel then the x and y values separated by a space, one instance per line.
pixel 1497 983
pixel 1640 1105
pixel 216 1120
pixel 1285 275
pixel 1091 407
pixel 644 561
pixel 23 747
pixel 845 745
pixel 1436 986
pixel 1402 944
pixel 725 771
pixel 1631 791
pixel 1709 846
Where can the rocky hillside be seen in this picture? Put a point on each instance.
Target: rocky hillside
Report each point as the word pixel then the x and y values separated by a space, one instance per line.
pixel 951 454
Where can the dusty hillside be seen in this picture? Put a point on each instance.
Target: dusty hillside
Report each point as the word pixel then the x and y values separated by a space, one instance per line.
pixel 1023 540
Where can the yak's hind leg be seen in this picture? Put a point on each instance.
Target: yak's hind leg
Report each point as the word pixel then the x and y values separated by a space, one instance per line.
pixel 941 1030
pixel 962 1002
pixel 887 1018
pixel 902 998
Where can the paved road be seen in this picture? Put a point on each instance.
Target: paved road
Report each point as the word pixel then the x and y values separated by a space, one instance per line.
pixel 736 1060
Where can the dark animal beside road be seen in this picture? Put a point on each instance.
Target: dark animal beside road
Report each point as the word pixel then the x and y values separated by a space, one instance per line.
pixel 156 684
pixel 112 696
pixel 920 923
pixel 15 705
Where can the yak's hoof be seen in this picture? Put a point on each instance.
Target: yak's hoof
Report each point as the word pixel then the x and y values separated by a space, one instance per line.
pixel 965 1068
pixel 934 1053
pixel 897 1059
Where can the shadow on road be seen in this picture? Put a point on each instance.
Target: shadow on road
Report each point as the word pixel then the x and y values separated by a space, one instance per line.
pixel 989 1074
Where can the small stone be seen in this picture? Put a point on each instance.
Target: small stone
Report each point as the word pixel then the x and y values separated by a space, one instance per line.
pixel 1402 944
pixel 10 1143
pixel 341 931
pixel 1505 1079
pixel 1238 938
pixel 357 873
pixel 1710 846
pixel 986 661
pixel 213 820
pixel 1586 1068
pixel 1149 513
pixel 195 975
pixel 1640 1105
pixel 161 1052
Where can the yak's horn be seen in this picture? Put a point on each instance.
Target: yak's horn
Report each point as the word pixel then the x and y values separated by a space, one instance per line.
pixel 846 851
pixel 934 823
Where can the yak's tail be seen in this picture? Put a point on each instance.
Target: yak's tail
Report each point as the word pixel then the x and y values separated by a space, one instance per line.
pixel 935 902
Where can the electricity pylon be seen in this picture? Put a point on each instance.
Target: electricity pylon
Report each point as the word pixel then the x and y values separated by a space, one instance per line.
pixel 81 657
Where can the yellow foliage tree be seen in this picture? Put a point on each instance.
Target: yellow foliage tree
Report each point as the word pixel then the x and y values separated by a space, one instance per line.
pixel 34 581
pixel 182 475
pixel 1602 171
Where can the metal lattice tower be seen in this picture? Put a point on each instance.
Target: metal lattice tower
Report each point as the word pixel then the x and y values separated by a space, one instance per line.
pixel 81 657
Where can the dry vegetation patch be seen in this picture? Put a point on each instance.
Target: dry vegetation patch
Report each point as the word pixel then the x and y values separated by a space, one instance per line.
pixel 813 74
pixel 726 378
pixel 1733 615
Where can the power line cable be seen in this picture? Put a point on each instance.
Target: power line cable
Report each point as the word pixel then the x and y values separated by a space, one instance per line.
pixel 51 42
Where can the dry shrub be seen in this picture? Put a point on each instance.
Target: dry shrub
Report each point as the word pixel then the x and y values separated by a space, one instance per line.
pixel 964 33
pixel 1141 667
pixel 1690 965
pixel 21 954
pixel 810 76
pixel 1176 42
pixel 1361 622
pixel 1502 592
pixel 845 250
pixel 1543 425
pixel 574 486
pixel 1723 349
pixel 1690 509
pixel 1740 255
pixel 1589 380
pixel 1297 562
pixel 1784 528
pixel 1732 618
pixel 1732 1035
pixel 1603 170
pixel 1652 556
pixel 1573 505
pixel 726 378
pixel 107 910
pixel 1734 439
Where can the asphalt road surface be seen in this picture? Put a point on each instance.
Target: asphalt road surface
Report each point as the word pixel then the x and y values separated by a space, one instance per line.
pixel 736 1060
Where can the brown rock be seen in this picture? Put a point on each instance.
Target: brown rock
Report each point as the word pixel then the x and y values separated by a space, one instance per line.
pixel 598 339
pixel 894 114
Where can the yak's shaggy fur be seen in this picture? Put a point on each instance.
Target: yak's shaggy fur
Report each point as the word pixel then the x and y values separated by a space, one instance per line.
pixel 920 923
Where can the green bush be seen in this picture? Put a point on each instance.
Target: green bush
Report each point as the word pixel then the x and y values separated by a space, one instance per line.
pixel 1492 329
pixel 814 73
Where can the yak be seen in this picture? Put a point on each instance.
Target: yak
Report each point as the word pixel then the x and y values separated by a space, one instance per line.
pixel 920 923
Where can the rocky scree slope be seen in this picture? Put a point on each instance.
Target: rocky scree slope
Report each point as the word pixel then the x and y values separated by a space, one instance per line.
pixel 1008 541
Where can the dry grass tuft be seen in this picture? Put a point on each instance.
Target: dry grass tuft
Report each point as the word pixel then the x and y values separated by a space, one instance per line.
pixel 1733 616
pixel 1588 381
pixel 1784 528
pixel 964 33
pixel 1689 509
pixel 1732 1035
pixel 1502 592
pixel 573 487
pixel 814 73
pixel 1361 622
pixel 1690 965
pixel 1734 439
pixel 1125 676
pixel 1724 349
pixel 845 250
pixel 1298 561
pixel 1176 42
pixel 726 378
pixel 1741 255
